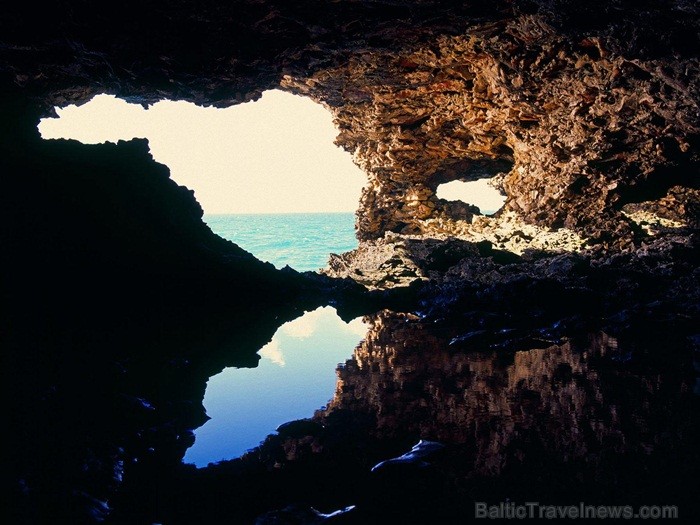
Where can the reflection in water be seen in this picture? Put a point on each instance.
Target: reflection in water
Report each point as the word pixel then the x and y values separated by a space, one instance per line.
pixel 573 398
pixel 295 376
pixel 592 419
pixel 562 400
pixel 587 412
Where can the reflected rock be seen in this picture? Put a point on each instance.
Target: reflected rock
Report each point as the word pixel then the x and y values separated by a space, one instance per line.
pixel 587 416
pixel 594 418
pixel 568 399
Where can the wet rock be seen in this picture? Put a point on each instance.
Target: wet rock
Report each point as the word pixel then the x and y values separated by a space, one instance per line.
pixel 416 457
pixel 299 428
pixel 302 516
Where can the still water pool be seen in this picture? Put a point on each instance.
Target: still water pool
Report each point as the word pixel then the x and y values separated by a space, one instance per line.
pixel 296 376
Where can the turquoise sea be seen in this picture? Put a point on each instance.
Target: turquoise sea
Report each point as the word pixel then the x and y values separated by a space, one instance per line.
pixel 301 240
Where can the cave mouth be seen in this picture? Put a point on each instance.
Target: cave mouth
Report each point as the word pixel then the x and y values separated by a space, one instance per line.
pixel 472 186
pixel 266 173
pixel 481 193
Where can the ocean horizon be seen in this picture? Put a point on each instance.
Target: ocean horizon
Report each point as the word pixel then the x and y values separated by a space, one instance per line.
pixel 303 241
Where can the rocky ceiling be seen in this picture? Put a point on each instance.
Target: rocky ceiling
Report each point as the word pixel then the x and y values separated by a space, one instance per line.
pixel 587 112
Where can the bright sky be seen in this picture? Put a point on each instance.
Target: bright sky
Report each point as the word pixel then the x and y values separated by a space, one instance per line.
pixel 295 377
pixel 275 155
pixel 477 192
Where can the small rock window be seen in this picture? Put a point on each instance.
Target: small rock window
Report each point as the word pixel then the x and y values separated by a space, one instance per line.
pixel 482 193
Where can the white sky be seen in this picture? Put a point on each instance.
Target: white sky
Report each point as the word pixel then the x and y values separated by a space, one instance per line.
pixel 275 155
pixel 477 192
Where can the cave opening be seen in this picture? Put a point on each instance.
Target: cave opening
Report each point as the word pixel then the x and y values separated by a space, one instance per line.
pixel 482 193
pixel 465 183
pixel 266 173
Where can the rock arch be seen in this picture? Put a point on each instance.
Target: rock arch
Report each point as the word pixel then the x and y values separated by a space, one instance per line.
pixel 590 104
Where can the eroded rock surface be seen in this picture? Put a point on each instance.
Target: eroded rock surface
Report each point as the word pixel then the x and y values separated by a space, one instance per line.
pixel 579 125
pixel 579 109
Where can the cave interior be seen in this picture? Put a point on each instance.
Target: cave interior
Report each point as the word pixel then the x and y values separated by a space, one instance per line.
pixel 585 116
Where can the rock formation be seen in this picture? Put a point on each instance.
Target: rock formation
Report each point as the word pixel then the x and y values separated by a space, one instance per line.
pixel 578 125
pixel 580 110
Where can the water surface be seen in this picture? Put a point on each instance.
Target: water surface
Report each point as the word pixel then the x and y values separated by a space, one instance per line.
pixel 590 418
pixel 296 376
pixel 301 240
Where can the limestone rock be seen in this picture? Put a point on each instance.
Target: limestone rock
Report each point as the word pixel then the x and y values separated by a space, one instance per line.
pixel 584 108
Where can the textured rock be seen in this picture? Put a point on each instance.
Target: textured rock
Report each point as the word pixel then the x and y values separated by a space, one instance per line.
pixel 579 127
pixel 583 109
pixel 398 260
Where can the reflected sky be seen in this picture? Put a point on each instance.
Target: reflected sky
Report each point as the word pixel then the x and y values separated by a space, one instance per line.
pixel 295 377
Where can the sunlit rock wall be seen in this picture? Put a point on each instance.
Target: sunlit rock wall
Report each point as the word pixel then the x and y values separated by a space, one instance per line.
pixel 578 125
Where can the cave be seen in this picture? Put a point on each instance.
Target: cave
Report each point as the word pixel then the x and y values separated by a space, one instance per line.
pixel 542 353
pixel 266 174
